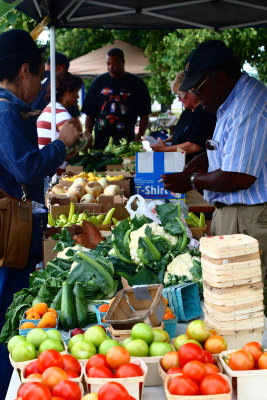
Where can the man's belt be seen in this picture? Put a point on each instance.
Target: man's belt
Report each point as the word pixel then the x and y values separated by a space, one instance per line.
pixel 221 205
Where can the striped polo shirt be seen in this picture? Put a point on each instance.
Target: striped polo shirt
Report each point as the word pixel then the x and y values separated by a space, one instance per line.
pixel 44 127
pixel 241 134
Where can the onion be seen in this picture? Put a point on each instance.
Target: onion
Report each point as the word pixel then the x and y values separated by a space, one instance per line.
pixel 88 198
pixel 94 188
pixel 77 190
pixel 80 181
pixel 57 189
pixel 72 197
pixel 112 190
pixel 103 182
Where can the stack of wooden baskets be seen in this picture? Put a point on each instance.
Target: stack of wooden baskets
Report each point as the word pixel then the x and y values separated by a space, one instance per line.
pixel 233 288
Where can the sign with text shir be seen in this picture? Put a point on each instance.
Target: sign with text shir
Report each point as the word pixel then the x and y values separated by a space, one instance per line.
pixel 149 168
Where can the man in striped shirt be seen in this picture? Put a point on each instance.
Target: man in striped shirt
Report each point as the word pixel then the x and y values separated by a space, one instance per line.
pixel 233 170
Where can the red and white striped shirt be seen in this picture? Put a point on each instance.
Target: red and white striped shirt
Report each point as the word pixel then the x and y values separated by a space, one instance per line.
pixel 44 127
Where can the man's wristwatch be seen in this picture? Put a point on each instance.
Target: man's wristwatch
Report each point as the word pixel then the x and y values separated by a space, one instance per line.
pixel 192 181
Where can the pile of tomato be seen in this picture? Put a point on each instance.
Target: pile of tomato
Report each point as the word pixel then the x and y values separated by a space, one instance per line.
pixel 196 375
pixel 251 356
pixel 115 364
pixel 52 372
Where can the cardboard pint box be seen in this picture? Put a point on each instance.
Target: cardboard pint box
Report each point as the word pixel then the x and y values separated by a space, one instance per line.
pixel 149 168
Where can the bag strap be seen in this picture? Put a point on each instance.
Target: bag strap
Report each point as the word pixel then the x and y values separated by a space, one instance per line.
pixel 25 114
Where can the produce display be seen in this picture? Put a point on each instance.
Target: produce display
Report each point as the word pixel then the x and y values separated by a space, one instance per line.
pixel 250 357
pixel 84 191
pixel 97 160
pixel 199 333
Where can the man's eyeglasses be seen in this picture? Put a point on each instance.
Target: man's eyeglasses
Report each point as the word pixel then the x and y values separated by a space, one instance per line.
pixel 181 95
pixel 196 91
pixel 212 145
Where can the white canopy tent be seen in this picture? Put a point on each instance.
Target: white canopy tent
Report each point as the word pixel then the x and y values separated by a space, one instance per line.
pixel 94 63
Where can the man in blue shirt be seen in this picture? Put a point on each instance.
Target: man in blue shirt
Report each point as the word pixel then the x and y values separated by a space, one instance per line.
pixel 233 171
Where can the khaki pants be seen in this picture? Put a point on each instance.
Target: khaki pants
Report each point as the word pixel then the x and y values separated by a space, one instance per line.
pixel 250 220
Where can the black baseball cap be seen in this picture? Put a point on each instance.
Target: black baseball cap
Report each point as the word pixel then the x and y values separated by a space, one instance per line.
pixel 61 59
pixel 204 58
pixel 17 43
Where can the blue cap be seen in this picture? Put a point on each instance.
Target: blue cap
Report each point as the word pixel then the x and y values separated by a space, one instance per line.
pixel 61 59
pixel 204 58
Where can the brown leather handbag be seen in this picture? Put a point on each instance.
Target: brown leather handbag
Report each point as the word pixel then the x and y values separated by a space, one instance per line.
pixel 15 230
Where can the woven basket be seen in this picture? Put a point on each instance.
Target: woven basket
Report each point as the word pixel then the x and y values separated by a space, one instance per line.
pixel 197 231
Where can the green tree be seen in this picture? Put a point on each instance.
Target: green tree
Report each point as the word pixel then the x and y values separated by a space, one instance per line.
pixel 167 50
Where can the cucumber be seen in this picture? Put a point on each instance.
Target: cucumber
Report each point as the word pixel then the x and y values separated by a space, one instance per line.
pixel 67 308
pixel 80 305
pixel 56 303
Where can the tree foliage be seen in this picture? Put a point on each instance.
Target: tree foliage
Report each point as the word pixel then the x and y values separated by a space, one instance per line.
pixel 167 50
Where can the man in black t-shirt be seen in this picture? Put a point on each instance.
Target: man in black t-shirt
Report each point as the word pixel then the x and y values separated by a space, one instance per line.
pixel 114 101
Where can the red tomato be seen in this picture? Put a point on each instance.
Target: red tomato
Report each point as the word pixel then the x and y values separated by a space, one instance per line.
pixel 23 387
pixel 49 358
pixel 68 390
pixel 57 398
pixel 175 370
pixel 255 349
pixel 31 368
pixel 129 370
pixel 241 360
pixel 170 360
pixel 211 368
pixel 183 386
pixel 52 375
pixel 214 384
pixel 113 391
pixel 71 374
pixel 262 361
pixel 208 357
pixel 97 360
pixel 190 352
pixel 195 370
pixel 36 376
pixel 117 356
pixel 36 391
pixel 71 363
pixel 100 372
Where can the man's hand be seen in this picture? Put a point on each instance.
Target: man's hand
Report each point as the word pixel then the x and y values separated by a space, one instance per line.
pixel 198 164
pixel 138 138
pixel 69 132
pixel 160 146
pixel 178 182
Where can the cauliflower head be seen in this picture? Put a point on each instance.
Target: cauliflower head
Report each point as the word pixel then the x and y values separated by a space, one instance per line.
pixel 180 266
pixel 156 229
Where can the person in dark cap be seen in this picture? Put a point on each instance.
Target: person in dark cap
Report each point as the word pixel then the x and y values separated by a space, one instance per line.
pixel 114 101
pixel 233 169
pixel 21 161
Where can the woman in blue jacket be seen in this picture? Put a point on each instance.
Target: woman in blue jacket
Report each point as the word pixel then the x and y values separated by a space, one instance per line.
pixel 21 161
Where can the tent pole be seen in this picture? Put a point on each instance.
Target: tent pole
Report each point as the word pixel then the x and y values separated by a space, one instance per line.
pixel 53 85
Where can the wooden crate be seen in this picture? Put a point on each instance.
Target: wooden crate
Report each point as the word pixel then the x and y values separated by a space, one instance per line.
pixel 143 303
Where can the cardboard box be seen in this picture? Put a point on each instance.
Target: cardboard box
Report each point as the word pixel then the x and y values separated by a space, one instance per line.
pixel 59 206
pixel 49 243
pixel 126 184
pixel 74 169
pixel 149 168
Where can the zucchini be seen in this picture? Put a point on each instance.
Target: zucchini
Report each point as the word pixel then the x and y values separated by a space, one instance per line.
pixel 67 308
pixel 80 305
pixel 56 303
